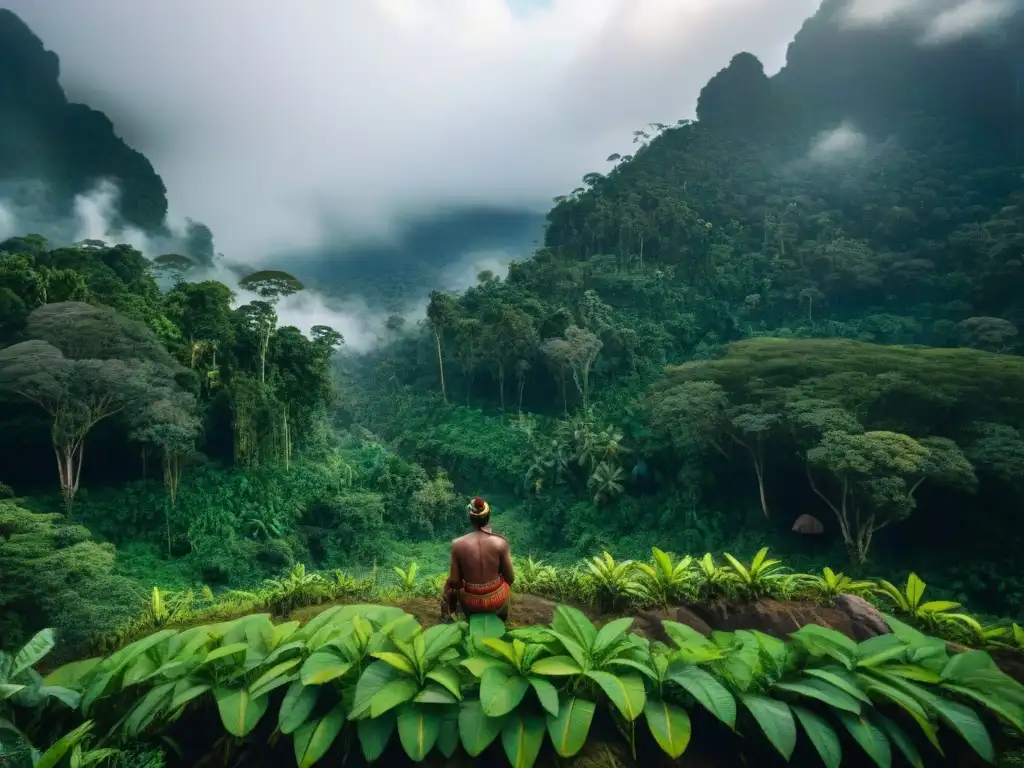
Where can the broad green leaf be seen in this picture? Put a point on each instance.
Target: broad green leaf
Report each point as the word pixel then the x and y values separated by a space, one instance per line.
pixel 418 729
pixel 683 634
pixel 775 719
pixel 239 711
pixel 823 692
pixel 914 672
pixel 314 739
pixel 297 706
pixel 522 738
pixel 371 681
pixel 448 736
pixel 323 666
pixel 503 649
pixel 7 690
pixel 51 757
pixel 546 693
pixel 225 651
pixel 962 665
pixel 40 644
pixel 433 693
pixel 477 665
pixel 908 697
pixel 271 675
pixel 870 738
pixel 71 675
pixel 64 695
pixel 574 649
pixel 482 625
pixel 391 695
pixel 438 639
pixel 822 736
pixel 449 678
pixel 476 729
pixel 966 722
pixel 500 692
pixel 573 623
pixel 821 641
pixel 148 708
pixel 670 726
pixel 626 692
pixel 1007 710
pixel 609 634
pixel 570 727
pixel 708 692
pixel 900 738
pixel 396 660
pixel 556 666
pixel 184 692
pixel 841 679
pixel 374 734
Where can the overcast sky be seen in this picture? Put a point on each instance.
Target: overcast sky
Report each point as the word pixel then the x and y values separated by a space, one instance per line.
pixel 272 120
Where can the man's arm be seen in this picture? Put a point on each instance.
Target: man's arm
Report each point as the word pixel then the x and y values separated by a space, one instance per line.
pixel 508 573
pixel 454 572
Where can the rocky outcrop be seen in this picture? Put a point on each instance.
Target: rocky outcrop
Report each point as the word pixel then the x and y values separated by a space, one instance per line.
pixel 780 619
pixel 867 620
pixel 68 147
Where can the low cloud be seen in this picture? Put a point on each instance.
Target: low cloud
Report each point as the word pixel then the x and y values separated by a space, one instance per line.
pixel 23 211
pixel 292 126
pixel 938 21
pixel 837 145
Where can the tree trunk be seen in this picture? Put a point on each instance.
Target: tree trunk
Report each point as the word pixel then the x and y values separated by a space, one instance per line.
pixel 440 365
pixel 69 468
pixel 758 460
pixel 286 438
pixel 501 384
pixel 264 348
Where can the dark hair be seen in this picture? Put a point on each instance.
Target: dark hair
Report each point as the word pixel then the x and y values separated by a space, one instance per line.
pixel 479 521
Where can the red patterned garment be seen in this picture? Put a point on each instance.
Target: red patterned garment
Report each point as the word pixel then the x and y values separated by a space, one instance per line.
pixel 484 598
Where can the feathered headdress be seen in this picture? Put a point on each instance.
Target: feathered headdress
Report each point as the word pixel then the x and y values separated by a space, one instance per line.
pixel 478 508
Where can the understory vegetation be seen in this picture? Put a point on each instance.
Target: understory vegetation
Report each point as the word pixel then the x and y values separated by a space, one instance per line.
pixel 369 682
pixel 789 325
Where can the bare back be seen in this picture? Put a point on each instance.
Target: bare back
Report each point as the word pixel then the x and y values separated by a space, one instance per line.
pixel 480 558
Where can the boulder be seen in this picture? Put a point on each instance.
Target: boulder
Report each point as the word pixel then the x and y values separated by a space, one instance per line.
pixel 867 620
pixel 780 619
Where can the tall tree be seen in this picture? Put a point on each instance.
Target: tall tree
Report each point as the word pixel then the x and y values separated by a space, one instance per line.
pixel 442 315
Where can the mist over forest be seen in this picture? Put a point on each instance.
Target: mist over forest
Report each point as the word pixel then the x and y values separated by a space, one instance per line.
pixel 717 306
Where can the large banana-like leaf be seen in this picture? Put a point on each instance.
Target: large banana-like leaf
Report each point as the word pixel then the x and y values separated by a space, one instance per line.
pixel 36 648
pixel 239 710
pixel 313 739
pixel 708 692
pixel 670 726
pixel 476 729
pixel 419 725
pixel 626 692
pixel 821 735
pixel 570 727
pixel 775 719
pixel 522 737
pixel 299 702
pixel 501 692
pixel 869 736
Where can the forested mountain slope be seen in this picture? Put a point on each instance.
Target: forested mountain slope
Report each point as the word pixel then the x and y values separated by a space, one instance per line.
pixel 870 192
pixel 67 146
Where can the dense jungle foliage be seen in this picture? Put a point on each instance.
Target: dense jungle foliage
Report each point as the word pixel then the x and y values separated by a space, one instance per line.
pixel 835 285
pixel 792 321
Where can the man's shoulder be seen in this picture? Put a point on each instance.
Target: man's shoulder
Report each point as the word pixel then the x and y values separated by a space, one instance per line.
pixel 460 539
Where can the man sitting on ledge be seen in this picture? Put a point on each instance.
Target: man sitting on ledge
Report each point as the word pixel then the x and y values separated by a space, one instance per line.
pixel 481 569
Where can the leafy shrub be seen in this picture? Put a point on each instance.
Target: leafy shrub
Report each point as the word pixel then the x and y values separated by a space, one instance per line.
pixel 372 671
